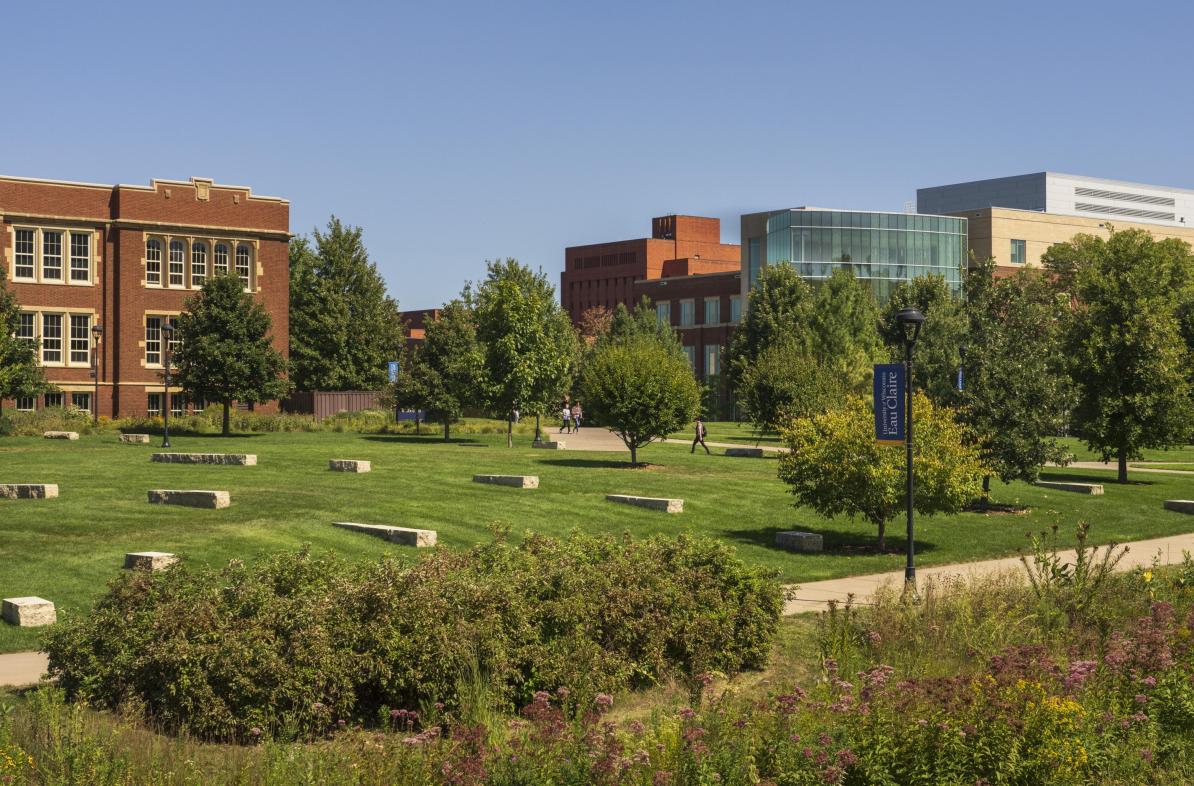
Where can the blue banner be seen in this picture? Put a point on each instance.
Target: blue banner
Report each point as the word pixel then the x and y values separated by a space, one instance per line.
pixel 393 367
pixel 889 403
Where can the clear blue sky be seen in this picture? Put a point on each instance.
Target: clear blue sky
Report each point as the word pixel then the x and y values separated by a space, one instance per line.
pixel 457 132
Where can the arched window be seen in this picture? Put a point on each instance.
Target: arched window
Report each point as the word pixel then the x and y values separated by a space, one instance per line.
pixel 198 264
pixel 243 268
pixel 153 262
pixel 177 263
pixel 220 262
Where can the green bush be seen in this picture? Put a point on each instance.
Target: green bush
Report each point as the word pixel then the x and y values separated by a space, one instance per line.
pixel 34 424
pixel 293 644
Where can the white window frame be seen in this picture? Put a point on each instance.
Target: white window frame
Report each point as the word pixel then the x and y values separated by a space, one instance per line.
pixel 152 341
pixel 29 334
pixel 26 259
pixel 58 399
pixel 150 409
pixel 75 395
pixel 34 258
pixel 64 344
pixel 88 256
pixel 221 254
pixel 45 255
pixel 74 341
pixel 176 244
pixel 153 261
pixel 198 263
pixel 246 278
pixel 52 343
pixel 26 403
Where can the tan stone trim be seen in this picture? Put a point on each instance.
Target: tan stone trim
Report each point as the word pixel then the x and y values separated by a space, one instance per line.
pixel 151 187
pixel 38 248
pixel 164 226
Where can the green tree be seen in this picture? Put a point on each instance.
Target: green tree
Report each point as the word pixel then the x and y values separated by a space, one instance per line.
pixel 779 307
pixel 937 353
pixel 1129 360
pixel 844 328
pixel 642 320
pixel 835 467
pixel 20 374
pixel 529 345
pixel 1018 394
pixel 225 350
pixel 344 328
pixel 456 361
pixel 640 389
pixel 785 383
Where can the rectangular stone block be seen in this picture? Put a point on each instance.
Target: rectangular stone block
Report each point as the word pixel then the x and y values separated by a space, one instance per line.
pixel 29 612
pixel 236 459
pixel 190 498
pixel 745 452
pixel 549 445
pixel 149 560
pixel 517 481
pixel 135 439
pixel 1180 505
pixel 1079 488
pixel 61 435
pixel 793 540
pixel 654 503
pixel 28 490
pixel 419 538
pixel 349 465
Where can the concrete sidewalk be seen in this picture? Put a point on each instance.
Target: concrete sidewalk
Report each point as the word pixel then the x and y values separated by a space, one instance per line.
pixel 815 595
pixel 22 668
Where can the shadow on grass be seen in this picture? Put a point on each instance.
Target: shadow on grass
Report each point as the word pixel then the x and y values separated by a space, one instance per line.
pixel 1103 479
pixel 204 435
pixel 414 439
pixel 837 543
pixel 593 463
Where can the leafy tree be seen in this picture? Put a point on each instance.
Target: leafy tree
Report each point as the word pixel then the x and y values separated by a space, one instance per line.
pixel 835 467
pixel 1130 362
pixel 452 351
pixel 785 383
pixel 528 342
pixel 640 389
pixel 642 320
pixel 943 334
pixel 779 307
pixel 844 328
pixel 20 374
pixel 344 329
pixel 594 323
pixel 225 351
pixel 1018 394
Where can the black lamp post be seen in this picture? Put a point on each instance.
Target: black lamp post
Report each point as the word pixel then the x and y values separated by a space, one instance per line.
pixel 167 335
pixel 910 320
pixel 96 332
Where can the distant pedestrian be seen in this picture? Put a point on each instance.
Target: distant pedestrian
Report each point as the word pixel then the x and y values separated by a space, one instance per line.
pixel 516 414
pixel 699 430
pixel 566 414
pixel 576 416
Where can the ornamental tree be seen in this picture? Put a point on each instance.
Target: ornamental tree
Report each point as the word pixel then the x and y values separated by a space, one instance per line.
pixel 225 350
pixel 20 374
pixel 640 389
pixel 785 383
pixel 835 467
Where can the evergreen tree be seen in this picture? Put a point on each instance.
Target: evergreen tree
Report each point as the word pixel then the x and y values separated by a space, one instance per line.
pixel 937 354
pixel 20 374
pixel 225 351
pixel 344 328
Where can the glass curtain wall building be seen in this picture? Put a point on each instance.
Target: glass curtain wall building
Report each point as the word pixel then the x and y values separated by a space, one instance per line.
pixel 881 248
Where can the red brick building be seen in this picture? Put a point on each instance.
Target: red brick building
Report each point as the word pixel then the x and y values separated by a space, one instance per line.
pixel 704 308
pixel 98 269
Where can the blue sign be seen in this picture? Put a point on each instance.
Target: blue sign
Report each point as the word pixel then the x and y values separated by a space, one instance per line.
pixel 959 378
pixel 889 403
pixel 393 364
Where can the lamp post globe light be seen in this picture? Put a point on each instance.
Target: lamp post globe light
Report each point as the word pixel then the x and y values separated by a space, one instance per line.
pixel 96 332
pixel 167 335
pixel 910 321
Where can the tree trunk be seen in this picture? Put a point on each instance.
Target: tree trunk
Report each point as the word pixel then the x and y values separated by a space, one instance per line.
pixel 1123 465
pixel 538 434
pixel 417 432
pixel 227 407
pixel 633 455
pixel 986 502
pixel 882 536
pixel 447 427
pixel 509 431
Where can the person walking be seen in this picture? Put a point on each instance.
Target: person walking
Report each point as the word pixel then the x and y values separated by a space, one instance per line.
pixel 576 416
pixel 699 428
pixel 566 414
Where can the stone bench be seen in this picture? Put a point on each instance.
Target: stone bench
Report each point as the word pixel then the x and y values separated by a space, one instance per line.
pixel 654 503
pixel 794 540
pixel 517 481
pixel 28 612
pixel 1180 505
pixel 745 452
pixel 28 490
pixel 149 560
pixel 419 538
pixel 349 465
pixel 61 435
pixel 236 459
pixel 1095 489
pixel 548 445
pixel 135 439
pixel 191 498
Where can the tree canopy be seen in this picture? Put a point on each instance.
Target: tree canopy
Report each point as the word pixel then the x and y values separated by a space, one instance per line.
pixel 20 374
pixel 784 383
pixel 779 305
pixel 937 354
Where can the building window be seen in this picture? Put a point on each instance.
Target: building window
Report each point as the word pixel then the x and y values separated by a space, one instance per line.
pixel 753 259
pixel 712 360
pixel 153 339
pixel 80 339
pixel 25 326
pixel 51 256
pixel 177 401
pixel 198 264
pixel 52 400
pixel 154 407
pixel 177 267
pixel 153 262
pixel 1018 252
pixel 663 312
pixel 242 264
pixel 25 403
pixel 23 254
pixel 220 263
pixel 690 353
pixel 51 338
pixel 81 401
pixel 712 310
pixel 80 256
pixel 687 312
pixel 736 309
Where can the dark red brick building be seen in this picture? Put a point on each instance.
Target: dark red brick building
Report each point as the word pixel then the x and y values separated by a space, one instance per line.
pixel 704 308
pixel 124 259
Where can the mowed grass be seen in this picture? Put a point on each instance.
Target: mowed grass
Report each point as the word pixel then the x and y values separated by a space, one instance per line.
pixel 66 549
pixel 730 431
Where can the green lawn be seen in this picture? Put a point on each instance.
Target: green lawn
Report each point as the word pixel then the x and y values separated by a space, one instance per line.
pixel 65 549
pixel 1183 454
pixel 730 431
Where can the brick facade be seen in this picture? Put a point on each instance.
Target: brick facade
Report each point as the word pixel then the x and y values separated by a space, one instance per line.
pixel 192 221
pixel 704 329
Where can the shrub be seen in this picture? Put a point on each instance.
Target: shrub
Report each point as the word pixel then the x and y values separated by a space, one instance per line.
pixel 295 643
pixel 34 424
